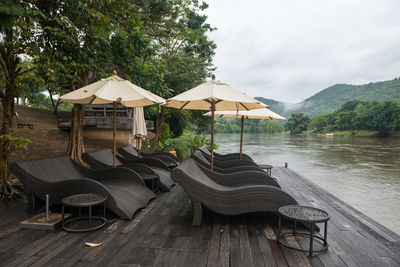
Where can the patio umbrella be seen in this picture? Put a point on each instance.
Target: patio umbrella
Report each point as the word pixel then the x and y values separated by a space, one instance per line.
pixel 261 113
pixel 213 95
pixel 139 127
pixel 113 90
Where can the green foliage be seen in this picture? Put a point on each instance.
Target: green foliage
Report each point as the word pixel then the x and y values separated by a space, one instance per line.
pixel 176 122
pixel 40 100
pixel 224 125
pixel 360 115
pixel 197 141
pixel 320 123
pixel 298 123
pixel 15 141
pixel 166 144
pixel 165 132
pixel 273 127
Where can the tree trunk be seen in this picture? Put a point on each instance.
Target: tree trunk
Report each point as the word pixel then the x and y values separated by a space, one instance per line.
pixel 5 143
pixel 160 119
pixel 75 145
pixel 53 103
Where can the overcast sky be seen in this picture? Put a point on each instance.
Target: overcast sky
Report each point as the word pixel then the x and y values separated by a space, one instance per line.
pixel 289 50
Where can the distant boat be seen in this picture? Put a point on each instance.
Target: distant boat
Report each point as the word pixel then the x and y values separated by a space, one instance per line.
pixel 329 135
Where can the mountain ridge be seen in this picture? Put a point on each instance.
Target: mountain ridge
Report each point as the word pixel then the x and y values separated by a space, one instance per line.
pixel 333 97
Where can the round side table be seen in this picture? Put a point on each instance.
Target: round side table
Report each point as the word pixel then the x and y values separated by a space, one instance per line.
pixel 308 215
pixel 267 167
pixel 84 201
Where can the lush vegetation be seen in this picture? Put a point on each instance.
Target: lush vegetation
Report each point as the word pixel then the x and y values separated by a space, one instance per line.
pixel 59 46
pixel 297 123
pixel 381 117
pixel 250 126
pixel 332 98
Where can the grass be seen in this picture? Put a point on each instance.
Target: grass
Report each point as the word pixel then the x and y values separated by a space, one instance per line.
pixel 356 133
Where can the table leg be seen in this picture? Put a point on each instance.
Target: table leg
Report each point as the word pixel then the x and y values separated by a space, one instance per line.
pixel 326 234
pixel 311 239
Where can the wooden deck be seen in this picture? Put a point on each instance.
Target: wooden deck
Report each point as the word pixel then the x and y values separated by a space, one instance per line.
pixel 162 235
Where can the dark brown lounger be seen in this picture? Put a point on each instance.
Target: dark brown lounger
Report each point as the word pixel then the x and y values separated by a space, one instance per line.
pixel 130 152
pixel 227 199
pixel 231 166
pixel 104 159
pixel 61 177
pixel 229 156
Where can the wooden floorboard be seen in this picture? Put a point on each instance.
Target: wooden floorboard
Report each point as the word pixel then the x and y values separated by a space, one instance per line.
pixel 162 235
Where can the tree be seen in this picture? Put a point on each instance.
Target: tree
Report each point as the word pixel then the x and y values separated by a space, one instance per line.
pixel 273 127
pixel 297 123
pixel 75 43
pixel 17 39
pixel 379 116
pixel 320 123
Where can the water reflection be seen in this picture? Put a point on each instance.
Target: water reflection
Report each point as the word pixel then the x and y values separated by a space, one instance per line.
pixel 364 172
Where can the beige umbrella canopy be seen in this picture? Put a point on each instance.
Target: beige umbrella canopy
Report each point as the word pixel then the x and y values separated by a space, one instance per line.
pixel 213 95
pixel 113 90
pixel 139 127
pixel 261 113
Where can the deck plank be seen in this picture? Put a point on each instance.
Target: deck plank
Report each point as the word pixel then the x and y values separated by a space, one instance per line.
pixel 162 235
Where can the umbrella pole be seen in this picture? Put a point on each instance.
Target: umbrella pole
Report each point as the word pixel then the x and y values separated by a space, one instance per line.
pixel 212 133
pixel 241 137
pixel 114 134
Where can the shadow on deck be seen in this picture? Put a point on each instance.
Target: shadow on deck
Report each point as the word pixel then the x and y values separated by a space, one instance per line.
pixel 162 235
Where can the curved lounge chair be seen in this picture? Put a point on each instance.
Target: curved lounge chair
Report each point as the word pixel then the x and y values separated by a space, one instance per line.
pixel 61 177
pixel 231 166
pixel 104 159
pixel 229 156
pixel 227 199
pixel 249 177
pixel 130 152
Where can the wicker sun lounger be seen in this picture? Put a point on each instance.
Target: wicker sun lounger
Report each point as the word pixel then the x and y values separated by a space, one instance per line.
pixel 61 177
pixel 231 166
pixel 130 152
pixel 248 177
pixel 229 156
pixel 227 199
pixel 104 159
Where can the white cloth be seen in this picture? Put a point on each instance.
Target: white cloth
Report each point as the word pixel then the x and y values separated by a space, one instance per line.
pixel 139 126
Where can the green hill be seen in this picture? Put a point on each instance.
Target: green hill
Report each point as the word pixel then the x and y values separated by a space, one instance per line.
pixel 331 98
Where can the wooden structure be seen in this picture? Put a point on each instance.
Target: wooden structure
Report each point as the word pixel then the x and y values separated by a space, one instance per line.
pixel 162 235
pixel 22 124
pixel 101 117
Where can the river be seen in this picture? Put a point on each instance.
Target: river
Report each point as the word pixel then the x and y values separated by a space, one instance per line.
pixel 364 172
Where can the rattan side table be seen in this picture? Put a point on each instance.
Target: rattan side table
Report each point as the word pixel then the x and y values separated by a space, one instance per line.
pixel 84 201
pixel 308 215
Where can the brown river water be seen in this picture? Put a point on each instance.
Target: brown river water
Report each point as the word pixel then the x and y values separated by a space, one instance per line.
pixel 364 172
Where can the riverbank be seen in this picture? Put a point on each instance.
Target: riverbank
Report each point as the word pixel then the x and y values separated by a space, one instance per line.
pixel 350 133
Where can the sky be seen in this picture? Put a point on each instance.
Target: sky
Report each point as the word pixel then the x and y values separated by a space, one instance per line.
pixel 289 50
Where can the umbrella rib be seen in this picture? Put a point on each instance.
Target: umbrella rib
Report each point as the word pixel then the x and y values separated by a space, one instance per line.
pixel 243 106
pixel 91 101
pixel 187 102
